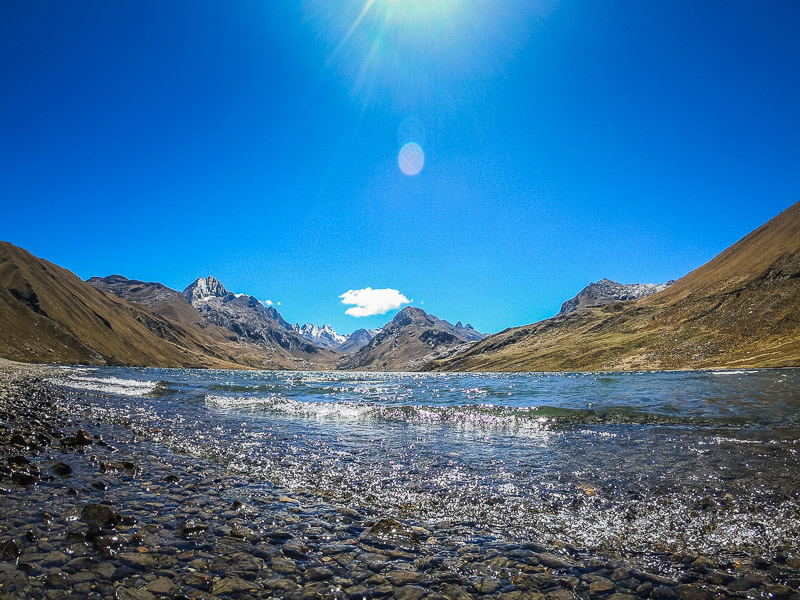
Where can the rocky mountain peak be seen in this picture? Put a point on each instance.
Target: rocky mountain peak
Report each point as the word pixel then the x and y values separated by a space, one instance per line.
pixel 606 291
pixel 357 340
pixel 408 315
pixel 411 340
pixel 324 335
pixel 204 289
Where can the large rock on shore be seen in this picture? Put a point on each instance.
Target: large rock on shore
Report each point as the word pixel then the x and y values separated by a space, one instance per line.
pixel 100 516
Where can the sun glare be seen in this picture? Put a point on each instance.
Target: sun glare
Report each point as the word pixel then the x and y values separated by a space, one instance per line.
pixel 400 50
pixel 415 9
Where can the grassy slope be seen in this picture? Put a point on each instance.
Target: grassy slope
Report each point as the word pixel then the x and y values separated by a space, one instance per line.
pixel 61 319
pixel 741 309
pixel 48 314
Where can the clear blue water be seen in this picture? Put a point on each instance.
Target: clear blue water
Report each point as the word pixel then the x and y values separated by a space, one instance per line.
pixel 638 462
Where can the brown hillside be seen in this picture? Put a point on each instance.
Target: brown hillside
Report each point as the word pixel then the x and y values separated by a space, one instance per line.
pixel 48 314
pixel 410 341
pixel 210 339
pixel 741 309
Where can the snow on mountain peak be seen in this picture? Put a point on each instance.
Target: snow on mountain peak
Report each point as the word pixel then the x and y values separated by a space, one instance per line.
pixel 324 335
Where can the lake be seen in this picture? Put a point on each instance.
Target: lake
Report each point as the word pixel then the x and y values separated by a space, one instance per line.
pixel 617 463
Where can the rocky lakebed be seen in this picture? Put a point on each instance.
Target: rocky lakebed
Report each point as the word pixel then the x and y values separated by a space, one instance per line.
pixel 92 509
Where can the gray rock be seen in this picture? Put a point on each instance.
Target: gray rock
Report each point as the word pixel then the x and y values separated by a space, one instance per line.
pixel 690 592
pixel 132 593
pixel 284 566
pixel 394 533
pixel 600 586
pixel 409 592
pixel 233 584
pixel 100 516
pixel 198 580
pixel 486 585
pixel 62 469
pixel 163 586
pixel 357 592
pixel 318 574
pixel 10 549
pixel 55 558
pixel 192 529
pixel 400 578
pixel 140 560
pixel 663 593
pixel 455 592
pixel 560 595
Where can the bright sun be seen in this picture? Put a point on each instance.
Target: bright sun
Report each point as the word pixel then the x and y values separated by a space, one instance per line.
pixel 424 14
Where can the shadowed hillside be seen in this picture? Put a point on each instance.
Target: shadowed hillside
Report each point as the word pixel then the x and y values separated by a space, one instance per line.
pixel 741 309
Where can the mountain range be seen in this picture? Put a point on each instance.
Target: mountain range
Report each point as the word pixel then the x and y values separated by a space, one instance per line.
pixel 325 336
pixel 47 314
pixel 410 341
pixel 741 309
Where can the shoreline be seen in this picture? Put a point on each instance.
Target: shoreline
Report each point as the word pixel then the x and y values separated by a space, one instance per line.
pixel 16 366
pixel 95 511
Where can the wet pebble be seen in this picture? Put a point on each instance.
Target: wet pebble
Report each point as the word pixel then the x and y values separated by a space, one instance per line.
pixel 172 527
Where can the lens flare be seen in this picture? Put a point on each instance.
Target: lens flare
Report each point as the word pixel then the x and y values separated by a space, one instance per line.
pixel 411 158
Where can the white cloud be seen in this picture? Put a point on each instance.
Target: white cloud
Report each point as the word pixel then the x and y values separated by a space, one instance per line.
pixel 370 302
pixel 271 303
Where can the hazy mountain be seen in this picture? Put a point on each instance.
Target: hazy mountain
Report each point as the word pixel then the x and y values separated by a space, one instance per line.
pixel 324 336
pixel 357 340
pixel 606 291
pixel 741 309
pixel 409 341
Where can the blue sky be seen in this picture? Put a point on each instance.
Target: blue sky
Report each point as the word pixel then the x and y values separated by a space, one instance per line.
pixel 258 141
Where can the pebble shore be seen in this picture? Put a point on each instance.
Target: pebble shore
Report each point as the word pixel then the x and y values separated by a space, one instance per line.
pixel 89 510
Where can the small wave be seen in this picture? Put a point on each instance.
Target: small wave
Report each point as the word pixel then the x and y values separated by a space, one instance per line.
pixel 114 385
pixel 734 372
pixel 247 388
pixel 476 415
pixel 467 415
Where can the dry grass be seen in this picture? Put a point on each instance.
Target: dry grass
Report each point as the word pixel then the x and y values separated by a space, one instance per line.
pixel 742 309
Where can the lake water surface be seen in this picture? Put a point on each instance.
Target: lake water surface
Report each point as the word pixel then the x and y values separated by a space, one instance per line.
pixel 628 463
